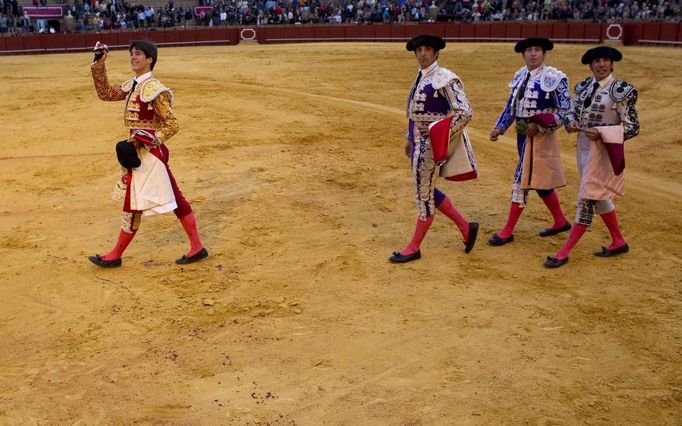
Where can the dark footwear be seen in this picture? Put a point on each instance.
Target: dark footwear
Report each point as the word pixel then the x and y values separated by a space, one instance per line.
pixel 97 260
pixel 473 233
pixel 606 252
pixel 553 262
pixel 496 240
pixel 549 231
pixel 396 257
pixel 201 254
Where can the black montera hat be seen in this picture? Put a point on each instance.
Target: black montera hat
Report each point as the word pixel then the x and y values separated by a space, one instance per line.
pixel 127 155
pixel 544 43
pixel 601 52
pixel 425 40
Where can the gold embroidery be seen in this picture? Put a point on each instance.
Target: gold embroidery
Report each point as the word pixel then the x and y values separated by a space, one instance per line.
pixel 104 91
pixel 168 125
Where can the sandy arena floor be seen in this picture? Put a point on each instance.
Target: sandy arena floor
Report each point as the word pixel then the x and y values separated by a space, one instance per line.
pixel 291 156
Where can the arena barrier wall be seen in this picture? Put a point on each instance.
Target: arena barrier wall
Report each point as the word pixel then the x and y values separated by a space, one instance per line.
pixel 628 33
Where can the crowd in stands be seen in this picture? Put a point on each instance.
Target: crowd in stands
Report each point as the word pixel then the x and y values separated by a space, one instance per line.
pixel 96 15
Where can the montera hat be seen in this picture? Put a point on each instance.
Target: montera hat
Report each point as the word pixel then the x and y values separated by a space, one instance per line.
pixel 425 40
pixel 127 155
pixel 601 52
pixel 544 43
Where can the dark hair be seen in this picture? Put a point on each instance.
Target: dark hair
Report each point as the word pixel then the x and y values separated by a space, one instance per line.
pixel 147 47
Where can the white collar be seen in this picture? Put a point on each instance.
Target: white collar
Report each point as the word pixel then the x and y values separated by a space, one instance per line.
pixel 604 81
pixel 427 70
pixel 143 77
pixel 535 72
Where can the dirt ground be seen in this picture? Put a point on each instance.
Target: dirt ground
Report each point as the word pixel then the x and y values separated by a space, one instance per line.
pixel 291 156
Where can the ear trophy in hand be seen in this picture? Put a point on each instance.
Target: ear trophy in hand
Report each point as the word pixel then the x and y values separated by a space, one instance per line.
pixel 99 50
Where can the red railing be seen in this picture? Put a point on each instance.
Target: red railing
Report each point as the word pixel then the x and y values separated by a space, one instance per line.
pixel 575 32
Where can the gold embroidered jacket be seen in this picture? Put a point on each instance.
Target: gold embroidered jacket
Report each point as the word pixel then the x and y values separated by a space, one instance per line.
pixel 148 107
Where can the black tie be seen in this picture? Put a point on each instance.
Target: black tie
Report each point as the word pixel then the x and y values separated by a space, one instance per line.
pixel 416 83
pixel 522 90
pixel 132 89
pixel 588 99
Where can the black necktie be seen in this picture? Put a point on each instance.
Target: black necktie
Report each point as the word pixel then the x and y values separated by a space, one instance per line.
pixel 588 99
pixel 522 90
pixel 416 83
pixel 132 89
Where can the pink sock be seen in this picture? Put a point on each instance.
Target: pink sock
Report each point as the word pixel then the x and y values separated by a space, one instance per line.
pixel 611 221
pixel 124 239
pixel 420 231
pixel 514 214
pixel 576 233
pixel 448 209
pixel 189 223
pixel 554 206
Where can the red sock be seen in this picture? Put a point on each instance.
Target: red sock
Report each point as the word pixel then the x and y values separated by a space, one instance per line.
pixel 420 231
pixel 576 233
pixel 514 214
pixel 124 239
pixel 189 222
pixel 611 221
pixel 448 209
pixel 554 206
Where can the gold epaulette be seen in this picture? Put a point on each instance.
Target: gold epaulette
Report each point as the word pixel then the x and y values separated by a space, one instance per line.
pixel 151 88
pixel 127 85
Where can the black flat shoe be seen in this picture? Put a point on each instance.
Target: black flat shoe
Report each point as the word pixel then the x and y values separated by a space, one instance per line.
pixel 606 252
pixel 553 262
pixel 473 233
pixel 97 260
pixel 549 231
pixel 396 257
pixel 496 240
pixel 201 254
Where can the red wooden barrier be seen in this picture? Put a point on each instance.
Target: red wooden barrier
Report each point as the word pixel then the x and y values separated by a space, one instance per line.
pixel 482 31
pixel 54 42
pixel 306 33
pixel 33 43
pixel 367 32
pixel 633 33
pixel 158 37
pixel 576 32
pixel 188 36
pixel 398 32
pixel 337 33
pixel 352 32
pixel 451 31
pixel 382 33
pixel 322 32
pixel 517 31
pixel 650 32
pixel 498 32
pixel 594 33
pixel 14 44
pixel 668 32
pixel 545 29
pixel 467 32
pixel 559 32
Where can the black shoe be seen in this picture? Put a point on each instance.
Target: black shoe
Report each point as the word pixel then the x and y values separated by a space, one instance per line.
pixel 201 254
pixel 549 231
pixel 473 233
pixel 553 262
pixel 496 240
pixel 606 252
pixel 396 257
pixel 97 260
